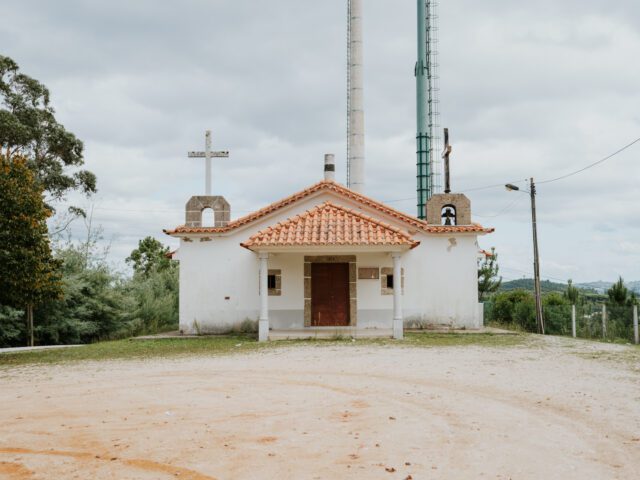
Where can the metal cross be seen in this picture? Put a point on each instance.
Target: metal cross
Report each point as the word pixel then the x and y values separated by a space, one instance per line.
pixel 208 155
pixel 446 154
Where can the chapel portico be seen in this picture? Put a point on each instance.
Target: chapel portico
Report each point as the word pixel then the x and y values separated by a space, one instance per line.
pixel 329 239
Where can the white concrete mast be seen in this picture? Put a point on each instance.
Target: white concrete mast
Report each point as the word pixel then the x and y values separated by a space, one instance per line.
pixel 355 121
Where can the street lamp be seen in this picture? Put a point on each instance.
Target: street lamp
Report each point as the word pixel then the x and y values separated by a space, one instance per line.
pixel 536 259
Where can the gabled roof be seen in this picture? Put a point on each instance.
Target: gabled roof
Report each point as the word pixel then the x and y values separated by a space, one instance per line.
pixel 330 225
pixel 326 186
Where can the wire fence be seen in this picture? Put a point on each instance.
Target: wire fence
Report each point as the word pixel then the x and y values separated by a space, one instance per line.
pixel 592 321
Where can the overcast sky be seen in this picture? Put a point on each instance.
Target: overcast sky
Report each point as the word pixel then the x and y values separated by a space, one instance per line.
pixel 527 89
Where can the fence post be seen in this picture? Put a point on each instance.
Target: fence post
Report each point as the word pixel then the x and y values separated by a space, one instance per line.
pixel 573 320
pixel 604 320
pixel 635 325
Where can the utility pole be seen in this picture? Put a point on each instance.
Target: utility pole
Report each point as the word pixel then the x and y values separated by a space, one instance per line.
pixel 536 260
pixel 536 256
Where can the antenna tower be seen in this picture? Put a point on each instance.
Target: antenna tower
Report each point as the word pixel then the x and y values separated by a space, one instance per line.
pixel 355 98
pixel 429 163
pixel 349 93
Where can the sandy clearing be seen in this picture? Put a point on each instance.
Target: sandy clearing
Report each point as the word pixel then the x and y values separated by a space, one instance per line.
pixel 328 412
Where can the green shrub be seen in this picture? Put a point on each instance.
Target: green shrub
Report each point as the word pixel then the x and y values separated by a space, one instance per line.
pixel 12 327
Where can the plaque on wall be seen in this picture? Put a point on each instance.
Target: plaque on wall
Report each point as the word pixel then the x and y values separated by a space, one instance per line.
pixel 368 273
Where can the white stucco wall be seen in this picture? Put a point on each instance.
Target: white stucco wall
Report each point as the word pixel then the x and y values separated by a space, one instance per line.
pixel 219 279
pixel 444 289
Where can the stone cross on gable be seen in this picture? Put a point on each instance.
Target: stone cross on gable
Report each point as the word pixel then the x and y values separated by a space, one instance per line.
pixel 208 155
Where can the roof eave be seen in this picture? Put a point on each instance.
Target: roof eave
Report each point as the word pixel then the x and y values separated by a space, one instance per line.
pixel 329 248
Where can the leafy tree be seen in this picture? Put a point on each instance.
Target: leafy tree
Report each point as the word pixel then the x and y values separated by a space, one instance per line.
pixel 12 326
pixel 525 314
pixel 557 313
pixel 28 272
pixel 488 269
pixel 618 293
pixel 28 128
pixel 155 299
pixel 151 255
pixel 96 303
pixel 619 313
pixel 154 287
pixel 505 303
pixel 572 294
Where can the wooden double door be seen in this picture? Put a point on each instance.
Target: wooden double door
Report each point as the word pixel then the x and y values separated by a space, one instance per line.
pixel 330 295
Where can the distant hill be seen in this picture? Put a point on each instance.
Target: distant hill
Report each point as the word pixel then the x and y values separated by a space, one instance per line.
pixel 527 284
pixel 598 288
pixel 602 287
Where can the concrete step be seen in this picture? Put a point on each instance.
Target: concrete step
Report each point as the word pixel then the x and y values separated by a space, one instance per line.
pixel 330 332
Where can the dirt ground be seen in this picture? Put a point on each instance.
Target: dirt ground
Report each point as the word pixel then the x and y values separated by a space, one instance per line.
pixel 539 411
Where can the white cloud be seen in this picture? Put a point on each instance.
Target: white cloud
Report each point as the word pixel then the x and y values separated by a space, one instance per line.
pixel 527 90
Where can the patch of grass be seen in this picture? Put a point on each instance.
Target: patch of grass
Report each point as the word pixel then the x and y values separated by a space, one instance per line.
pixel 629 356
pixel 221 345
pixel 423 340
pixel 512 327
pixel 136 349
pixel 463 339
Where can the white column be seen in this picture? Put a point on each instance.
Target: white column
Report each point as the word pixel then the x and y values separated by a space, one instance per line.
pixel 573 320
pixel 636 335
pixel 263 323
pixel 398 321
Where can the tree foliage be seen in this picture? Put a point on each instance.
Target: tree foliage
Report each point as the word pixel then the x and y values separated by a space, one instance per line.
pixel 12 327
pixel 29 129
pixel 28 272
pixel 488 270
pixel 96 303
pixel 155 299
pixel 619 294
pixel 150 256
pixel 572 294
pixel 516 308
pixel 99 301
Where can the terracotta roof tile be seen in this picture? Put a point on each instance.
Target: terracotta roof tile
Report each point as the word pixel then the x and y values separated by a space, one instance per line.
pixel 326 185
pixel 330 224
pixel 458 229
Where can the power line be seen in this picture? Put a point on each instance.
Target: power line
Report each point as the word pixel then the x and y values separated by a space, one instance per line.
pixel 531 273
pixel 495 185
pixel 629 145
pixel 504 210
pixel 602 160
pixel 473 189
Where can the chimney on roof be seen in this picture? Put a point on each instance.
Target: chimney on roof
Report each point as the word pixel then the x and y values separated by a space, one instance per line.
pixel 330 167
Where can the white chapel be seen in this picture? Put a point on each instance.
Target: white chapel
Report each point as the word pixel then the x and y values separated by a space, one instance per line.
pixel 328 259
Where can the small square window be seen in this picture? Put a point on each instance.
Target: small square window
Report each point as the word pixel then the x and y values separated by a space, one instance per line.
pixel 390 281
pixel 271 281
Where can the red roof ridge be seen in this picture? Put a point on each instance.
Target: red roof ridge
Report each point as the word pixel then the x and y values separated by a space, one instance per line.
pixel 365 216
pixel 338 219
